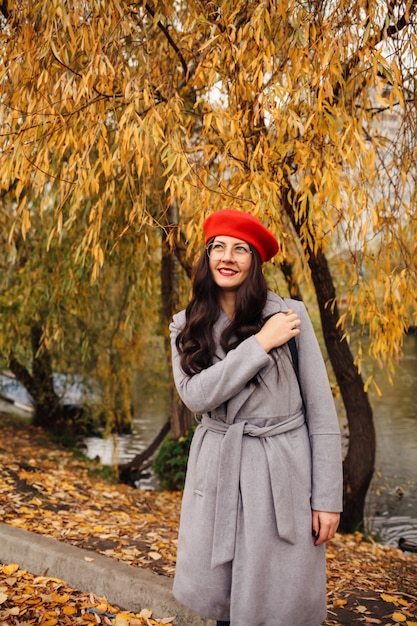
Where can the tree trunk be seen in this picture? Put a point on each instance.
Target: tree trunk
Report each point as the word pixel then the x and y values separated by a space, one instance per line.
pixel 359 463
pixel 131 471
pixel 293 287
pixel 180 416
pixel 48 410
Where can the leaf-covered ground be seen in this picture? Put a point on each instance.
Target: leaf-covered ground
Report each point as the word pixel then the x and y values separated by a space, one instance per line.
pixel 28 600
pixel 46 489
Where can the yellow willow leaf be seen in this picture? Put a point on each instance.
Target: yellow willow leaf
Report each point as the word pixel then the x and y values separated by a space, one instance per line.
pixel 95 272
pixel 260 79
pixel 69 610
pixel 9 569
pixel 398 617
pixel 99 529
pixel 157 133
pixel 121 620
pixel 15 610
pixel 207 120
pixel 403 602
pixel 208 43
pixel 53 48
pixel 388 598
pixel 58 598
pixel 39 580
pixel 171 161
pixel 98 254
pixel 219 124
pixel 397 72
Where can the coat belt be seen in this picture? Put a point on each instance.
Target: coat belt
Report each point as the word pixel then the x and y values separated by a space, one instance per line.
pixel 227 500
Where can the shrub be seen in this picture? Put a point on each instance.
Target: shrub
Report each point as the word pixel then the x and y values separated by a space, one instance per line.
pixel 170 464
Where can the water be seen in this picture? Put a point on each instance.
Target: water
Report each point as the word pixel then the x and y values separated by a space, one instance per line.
pixel 150 401
pixel 392 499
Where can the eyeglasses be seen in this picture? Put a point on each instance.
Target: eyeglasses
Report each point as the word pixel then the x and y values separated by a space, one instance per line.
pixel 216 251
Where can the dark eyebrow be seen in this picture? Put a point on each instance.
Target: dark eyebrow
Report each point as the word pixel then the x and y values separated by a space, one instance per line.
pixel 240 243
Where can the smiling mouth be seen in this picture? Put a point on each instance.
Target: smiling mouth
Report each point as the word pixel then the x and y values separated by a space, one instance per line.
pixel 225 271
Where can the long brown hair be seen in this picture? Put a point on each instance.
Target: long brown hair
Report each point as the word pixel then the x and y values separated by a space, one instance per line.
pixel 195 342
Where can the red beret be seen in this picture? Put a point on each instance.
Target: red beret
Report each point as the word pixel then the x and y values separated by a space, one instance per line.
pixel 242 226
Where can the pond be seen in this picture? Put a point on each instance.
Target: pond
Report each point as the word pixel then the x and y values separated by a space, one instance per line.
pixel 150 403
pixel 392 499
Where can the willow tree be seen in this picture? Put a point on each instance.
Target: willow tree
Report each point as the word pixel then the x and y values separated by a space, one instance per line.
pixel 303 113
pixel 54 321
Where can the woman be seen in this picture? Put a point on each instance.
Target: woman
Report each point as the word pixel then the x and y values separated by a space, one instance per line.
pixel 264 482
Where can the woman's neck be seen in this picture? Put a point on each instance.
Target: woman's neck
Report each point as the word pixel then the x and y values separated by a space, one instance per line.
pixel 227 301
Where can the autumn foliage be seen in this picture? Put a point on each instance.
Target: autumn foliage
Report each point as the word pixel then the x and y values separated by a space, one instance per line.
pixel 243 103
pixel 123 124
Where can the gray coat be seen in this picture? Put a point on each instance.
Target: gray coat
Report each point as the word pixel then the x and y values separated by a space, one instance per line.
pixel 257 467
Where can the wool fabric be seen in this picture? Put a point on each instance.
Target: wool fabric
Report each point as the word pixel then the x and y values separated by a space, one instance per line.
pixel 242 226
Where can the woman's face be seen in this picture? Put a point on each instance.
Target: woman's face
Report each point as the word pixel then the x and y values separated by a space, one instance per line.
pixel 229 261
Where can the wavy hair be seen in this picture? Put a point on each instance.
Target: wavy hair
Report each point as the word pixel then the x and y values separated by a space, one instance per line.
pixel 195 342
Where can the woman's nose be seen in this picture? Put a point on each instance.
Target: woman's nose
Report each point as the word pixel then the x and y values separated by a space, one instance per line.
pixel 227 254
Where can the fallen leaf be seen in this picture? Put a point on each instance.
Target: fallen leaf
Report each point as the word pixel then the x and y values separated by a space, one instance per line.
pixel 14 610
pixel 403 602
pixel 10 569
pixel 69 610
pixel 387 598
pixel 60 498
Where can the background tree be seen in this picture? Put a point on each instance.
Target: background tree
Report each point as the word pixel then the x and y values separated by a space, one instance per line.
pixel 62 333
pixel 303 114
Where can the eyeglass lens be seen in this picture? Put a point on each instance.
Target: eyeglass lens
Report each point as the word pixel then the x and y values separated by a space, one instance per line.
pixel 217 250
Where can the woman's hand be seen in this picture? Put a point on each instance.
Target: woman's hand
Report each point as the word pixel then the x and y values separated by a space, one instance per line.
pixel 324 526
pixel 278 329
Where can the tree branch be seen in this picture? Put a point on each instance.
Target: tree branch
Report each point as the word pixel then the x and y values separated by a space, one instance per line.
pixel 170 40
pixel 4 9
pixel 402 22
pixel 180 251
pixel 70 69
pixel 389 31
